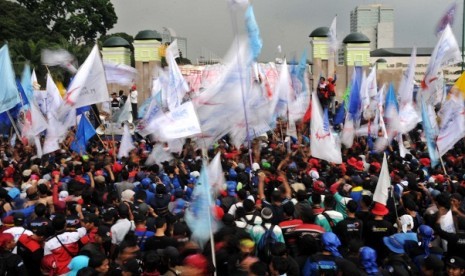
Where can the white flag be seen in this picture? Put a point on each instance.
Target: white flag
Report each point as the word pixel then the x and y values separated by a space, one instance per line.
pixel 126 143
pixel 89 85
pixel 322 142
pixel 124 114
pixel 333 43
pixel 407 82
pixel 179 123
pixel 59 57
pixel 120 73
pixel 282 93
pixel 38 121
pixel 381 194
pixel 177 85
pixel 446 52
pixel 158 155
pixel 215 174
pixel 53 99
pixel 38 146
pixel 452 127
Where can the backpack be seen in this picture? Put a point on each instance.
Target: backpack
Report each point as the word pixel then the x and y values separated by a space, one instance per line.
pixel 320 267
pixel 266 242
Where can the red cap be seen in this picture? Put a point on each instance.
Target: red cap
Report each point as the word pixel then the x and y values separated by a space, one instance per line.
pixel 198 261
pixel 319 187
pixel 5 238
pixel 359 166
pixel 425 162
pixel 352 161
pixel 379 209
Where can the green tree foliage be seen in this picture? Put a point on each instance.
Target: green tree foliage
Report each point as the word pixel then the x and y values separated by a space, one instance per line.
pixel 76 20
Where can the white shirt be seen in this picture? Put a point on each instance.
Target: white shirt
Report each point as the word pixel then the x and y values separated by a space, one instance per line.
pixel 17 231
pixel 120 229
pixel 133 96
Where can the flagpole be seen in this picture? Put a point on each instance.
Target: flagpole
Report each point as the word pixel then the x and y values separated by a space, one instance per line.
pixel 212 239
pixel 13 124
pixel 463 34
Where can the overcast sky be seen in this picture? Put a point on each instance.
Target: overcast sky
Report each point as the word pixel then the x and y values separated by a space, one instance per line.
pixel 208 26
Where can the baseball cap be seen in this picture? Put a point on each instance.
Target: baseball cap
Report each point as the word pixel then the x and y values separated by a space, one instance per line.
pixel 455 262
pixel 18 217
pixel 266 213
pixel 126 195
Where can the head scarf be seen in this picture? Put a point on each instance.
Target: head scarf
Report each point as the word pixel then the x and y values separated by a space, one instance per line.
pixel 426 233
pixel 368 260
pixel 331 242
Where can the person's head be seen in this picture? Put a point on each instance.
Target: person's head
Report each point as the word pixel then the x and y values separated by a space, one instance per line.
pixel 455 266
pixel 266 214
pixel 160 224
pixel 40 210
pixel 331 243
pixel 123 211
pixel 113 95
pixel 247 247
pixel 351 207
pixel 431 266
pixel 99 262
pixel 19 219
pixel 322 79
pixel 425 236
pixel 197 264
pixel 7 241
pixel 279 266
pixel 330 202
pixel 133 267
pixel 59 222
pixel 406 223
pixel 258 269
pixel 365 201
pixel 367 258
pixel 103 234
pixel 139 219
pixel 90 221
pixel 289 210
pixel 128 248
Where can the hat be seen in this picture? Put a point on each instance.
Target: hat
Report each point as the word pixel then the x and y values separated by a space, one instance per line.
pixel 91 218
pixel 5 238
pixel 198 261
pixel 18 217
pixel 396 242
pixel 143 208
pixel 331 242
pixel 139 218
pixel 255 167
pixel 13 193
pixel 352 161
pixel 368 260
pixel 126 195
pixel 266 213
pixel 99 179
pixel 314 174
pixel 377 165
pixel 27 173
pixel 170 252
pixel 379 209
pixel 405 222
pixel 143 141
pixel 359 166
pixel 8 221
pixel 146 182
pixel 63 195
pixel 77 263
pixel 455 262
pixel 425 162
pixel 195 174
pixel 104 232
pixel 319 187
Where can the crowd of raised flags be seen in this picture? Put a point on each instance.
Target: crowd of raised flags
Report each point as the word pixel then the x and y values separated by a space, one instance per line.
pixel 242 99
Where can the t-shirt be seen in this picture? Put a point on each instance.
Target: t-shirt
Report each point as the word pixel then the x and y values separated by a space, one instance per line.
pixel 348 229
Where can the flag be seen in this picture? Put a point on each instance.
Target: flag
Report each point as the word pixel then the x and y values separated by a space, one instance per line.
pixel 126 143
pixel 429 135
pixel 26 82
pixel 447 18
pixel 216 175
pixel 179 123
pixel 452 126
pixel 158 155
pixel 255 42
pixel 348 132
pixel 123 114
pixel 340 114
pixel 38 121
pixel 391 112
pixel 402 150
pixel 381 194
pixel 59 57
pixel 89 85
pixel 355 99
pixel 9 96
pixel 281 95
pixel 199 216
pixel 407 82
pixel 34 82
pixel 322 142
pixel 119 73
pixel 460 84
pixel 445 52
pixel 84 133
pixel 53 100
pixel 177 85
pixel 333 43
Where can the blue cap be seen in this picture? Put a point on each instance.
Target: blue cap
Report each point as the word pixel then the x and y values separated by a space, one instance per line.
pixel 146 182
pixel 396 242
pixel 13 193
pixel 231 187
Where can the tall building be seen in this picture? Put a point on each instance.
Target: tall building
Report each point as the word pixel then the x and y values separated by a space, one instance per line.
pixel 376 22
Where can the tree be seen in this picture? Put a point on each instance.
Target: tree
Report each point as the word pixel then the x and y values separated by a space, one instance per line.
pixel 19 23
pixel 76 20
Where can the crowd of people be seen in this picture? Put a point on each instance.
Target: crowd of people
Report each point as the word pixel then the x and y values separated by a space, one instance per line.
pixel 285 213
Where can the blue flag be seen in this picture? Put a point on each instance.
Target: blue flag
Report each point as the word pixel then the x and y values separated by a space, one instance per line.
pixel 26 83
pixel 355 101
pixel 23 95
pixel 199 214
pixel 429 135
pixel 84 132
pixel 253 31
pixel 391 100
pixel 340 114
pixel 8 91
pixel 82 109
